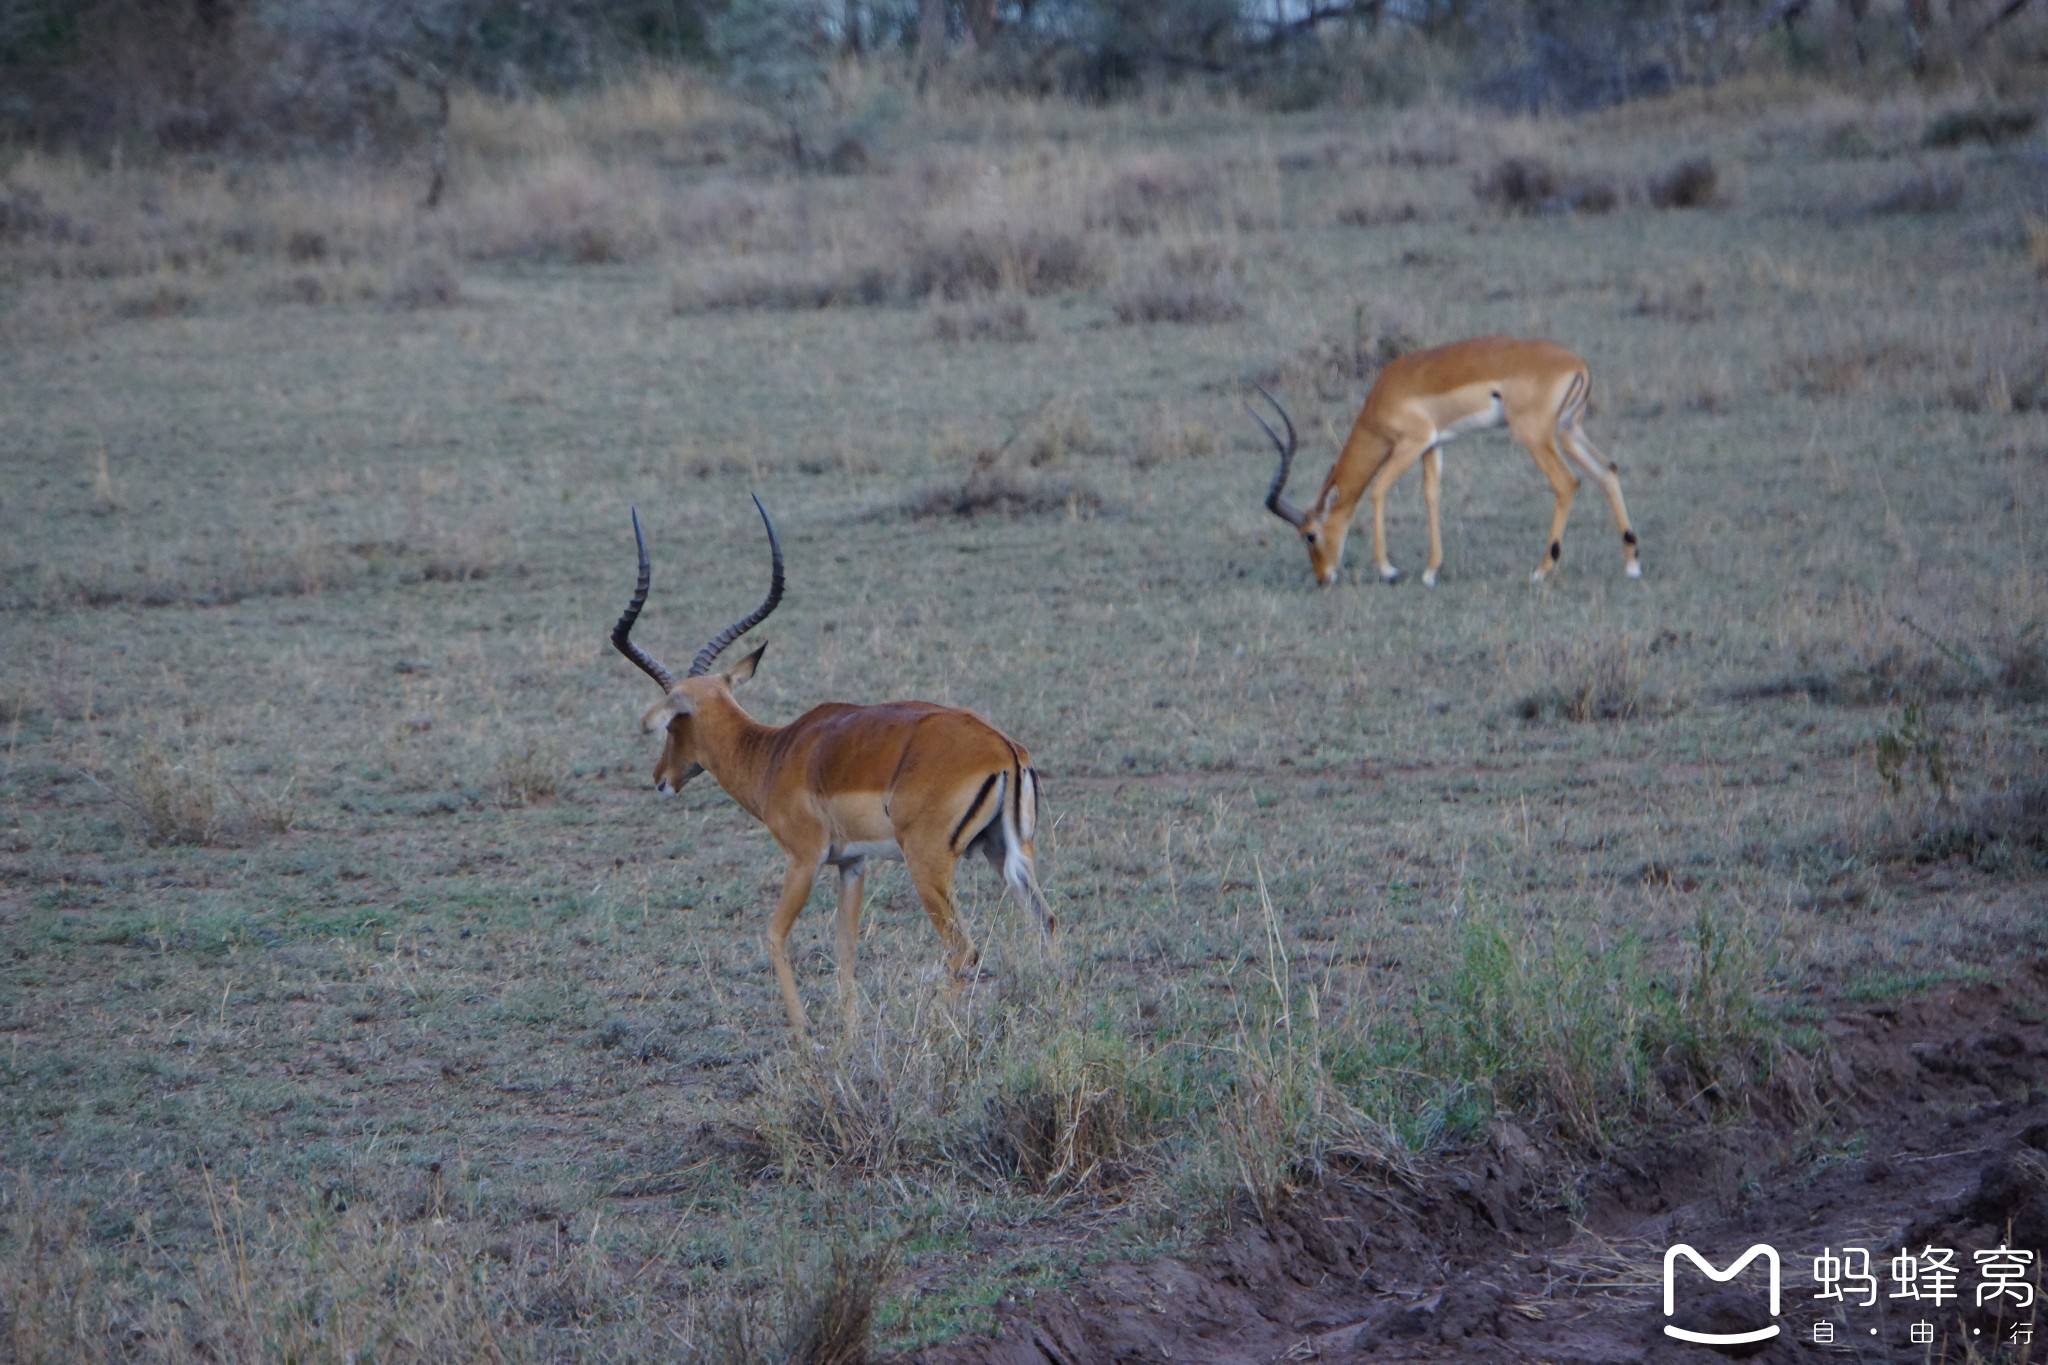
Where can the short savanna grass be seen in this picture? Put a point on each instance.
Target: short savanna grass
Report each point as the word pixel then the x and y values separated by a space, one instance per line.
pixel 362 998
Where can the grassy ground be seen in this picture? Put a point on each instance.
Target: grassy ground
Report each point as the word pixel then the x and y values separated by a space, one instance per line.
pixel 359 994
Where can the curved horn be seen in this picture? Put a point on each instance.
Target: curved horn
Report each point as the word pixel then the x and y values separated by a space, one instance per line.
pixel 746 623
pixel 624 628
pixel 1275 501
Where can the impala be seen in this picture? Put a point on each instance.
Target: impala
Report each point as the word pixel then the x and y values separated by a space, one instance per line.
pixel 841 785
pixel 1537 389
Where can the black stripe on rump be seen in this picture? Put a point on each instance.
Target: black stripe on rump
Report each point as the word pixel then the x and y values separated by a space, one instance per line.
pixel 953 842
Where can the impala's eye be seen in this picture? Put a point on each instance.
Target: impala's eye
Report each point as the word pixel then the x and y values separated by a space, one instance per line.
pixel 1309 536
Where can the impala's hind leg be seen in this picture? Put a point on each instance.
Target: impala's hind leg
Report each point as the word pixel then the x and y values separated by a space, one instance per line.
pixel 1588 458
pixel 931 865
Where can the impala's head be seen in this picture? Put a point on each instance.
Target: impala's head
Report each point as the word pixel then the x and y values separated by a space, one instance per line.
pixel 682 700
pixel 1321 532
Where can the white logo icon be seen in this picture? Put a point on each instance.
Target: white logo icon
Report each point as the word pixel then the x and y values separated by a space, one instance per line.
pixel 1770 1255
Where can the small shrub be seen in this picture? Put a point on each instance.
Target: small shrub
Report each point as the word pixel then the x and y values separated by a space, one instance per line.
pixel 986 320
pixel 1194 283
pixel 428 280
pixel 792 283
pixel 825 1317
pixel 173 802
pixel 1170 440
pixel 1527 185
pixel 1849 367
pixel 1144 193
pixel 1067 1119
pixel 158 299
pixel 1592 677
pixel 1685 303
pixel 1692 184
pixel 1989 124
pixel 527 774
pixel 984 260
pixel 1368 213
pixel 1923 192
pixel 1518 185
pixel 997 491
pixel 566 208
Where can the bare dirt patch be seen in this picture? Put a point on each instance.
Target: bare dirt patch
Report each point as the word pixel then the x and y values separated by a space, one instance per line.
pixel 1936 1137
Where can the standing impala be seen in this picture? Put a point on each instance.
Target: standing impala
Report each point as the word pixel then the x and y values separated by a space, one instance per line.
pixel 1537 389
pixel 841 784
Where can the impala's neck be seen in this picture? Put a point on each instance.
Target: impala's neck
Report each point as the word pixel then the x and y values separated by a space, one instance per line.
pixel 1364 452
pixel 734 747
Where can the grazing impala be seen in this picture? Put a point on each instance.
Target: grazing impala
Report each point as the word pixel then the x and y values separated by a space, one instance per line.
pixel 1537 389
pixel 842 784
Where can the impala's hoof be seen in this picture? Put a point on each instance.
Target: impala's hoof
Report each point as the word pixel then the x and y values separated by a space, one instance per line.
pixel 1635 570
pixel 1389 574
pixel 1429 578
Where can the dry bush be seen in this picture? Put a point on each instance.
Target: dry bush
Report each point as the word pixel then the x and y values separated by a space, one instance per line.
pixel 1920 192
pixel 1693 183
pixel 1589 677
pixel 1851 366
pixel 565 208
pixel 999 491
pixel 426 280
pixel 1377 213
pixel 162 297
pixel 1990 124
pixel 825 1316
pixel 1527 185
pixel 1193 282
pixel 527 774
pixel 1687 303
pixel 170 802
pixel 1169 439
pixel 785 282
pixel 326 285
pixel 1067 1118
pixel 1352 351
pixel 1159 189
pixel 983 259
pixel 993 319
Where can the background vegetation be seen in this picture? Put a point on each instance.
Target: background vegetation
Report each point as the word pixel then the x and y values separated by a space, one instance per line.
pixel 357 995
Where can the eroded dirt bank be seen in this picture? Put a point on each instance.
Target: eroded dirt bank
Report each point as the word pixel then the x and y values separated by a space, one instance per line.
pixel 1937 1136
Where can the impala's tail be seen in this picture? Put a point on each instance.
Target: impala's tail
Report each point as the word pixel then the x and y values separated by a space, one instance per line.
pixel 1020 829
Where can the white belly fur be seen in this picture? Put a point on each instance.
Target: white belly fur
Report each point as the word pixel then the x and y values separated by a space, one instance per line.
pixel 882 849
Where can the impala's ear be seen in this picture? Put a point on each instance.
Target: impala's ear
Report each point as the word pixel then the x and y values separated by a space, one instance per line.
pixel 744 669
pixel 667 709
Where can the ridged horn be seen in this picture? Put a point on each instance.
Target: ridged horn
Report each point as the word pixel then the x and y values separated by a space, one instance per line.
pixel 1276 501
pixel 706 655
pixel 624 629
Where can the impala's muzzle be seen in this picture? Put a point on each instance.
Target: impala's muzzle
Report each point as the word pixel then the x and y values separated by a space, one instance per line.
pixel 669 785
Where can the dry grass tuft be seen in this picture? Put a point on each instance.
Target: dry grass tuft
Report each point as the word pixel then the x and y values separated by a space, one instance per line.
pixel 1527 185
pixel 1921 192
pixel 1146 193
pixel 1853 366
pixel 1686 303
pixel 427 280
pixel 999 491
pixel 984 259
pixel 1195 282
pixel 171 802
pixel 1692 184
pixel 527 774
pixel 993 319
pixel 1067 1119
pixel 827 1317
pixel 564 208
pixel 1369 213
pixel 1169 439
pixel 1990 124
pixel 1589 677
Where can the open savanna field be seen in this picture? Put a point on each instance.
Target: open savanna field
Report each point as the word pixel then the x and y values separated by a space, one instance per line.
pixel 359 999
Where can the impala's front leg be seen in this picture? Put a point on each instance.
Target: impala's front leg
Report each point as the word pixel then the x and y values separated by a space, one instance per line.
pixel 796 889
pixel 1405 452
pixel 846 936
